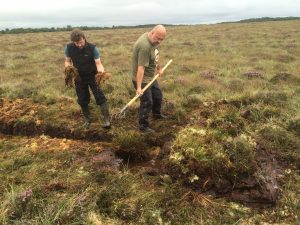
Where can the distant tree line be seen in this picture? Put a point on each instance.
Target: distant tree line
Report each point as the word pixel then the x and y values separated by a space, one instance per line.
pixel 265 19
pixel 68 28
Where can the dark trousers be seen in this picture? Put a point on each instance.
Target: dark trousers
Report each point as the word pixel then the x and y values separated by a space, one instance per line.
pixel 83 93
pixel 149 101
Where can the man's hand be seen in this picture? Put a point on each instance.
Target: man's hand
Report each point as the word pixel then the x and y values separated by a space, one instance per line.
pixel 160 72
pixel 101 77
pixel 71 75
pixel 139 91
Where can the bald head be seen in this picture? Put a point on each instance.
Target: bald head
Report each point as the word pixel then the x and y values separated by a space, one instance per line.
pixel 157 34
pixel 159 29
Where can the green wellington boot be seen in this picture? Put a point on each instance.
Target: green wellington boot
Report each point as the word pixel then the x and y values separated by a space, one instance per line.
pixel 86 117
pixel 105 113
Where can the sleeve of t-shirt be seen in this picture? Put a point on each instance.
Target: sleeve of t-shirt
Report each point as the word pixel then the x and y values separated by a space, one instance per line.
pixel 143 57
pixel 67 52
pixel 96 53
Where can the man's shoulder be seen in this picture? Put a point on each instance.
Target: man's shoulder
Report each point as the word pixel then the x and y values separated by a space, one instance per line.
pixel 69 45
pixel 143 42
pixel 90 45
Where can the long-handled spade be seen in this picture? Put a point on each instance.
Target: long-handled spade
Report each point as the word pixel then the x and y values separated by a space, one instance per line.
pixel 121 114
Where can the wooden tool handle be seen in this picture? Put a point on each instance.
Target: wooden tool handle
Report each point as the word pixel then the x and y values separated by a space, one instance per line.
pixel 145 88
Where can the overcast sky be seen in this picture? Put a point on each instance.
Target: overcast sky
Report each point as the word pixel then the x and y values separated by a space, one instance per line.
pixel 60 13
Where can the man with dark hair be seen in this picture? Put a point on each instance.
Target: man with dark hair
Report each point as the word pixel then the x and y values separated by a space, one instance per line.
pixel 76 35
pixel 144 67
pixel 85 57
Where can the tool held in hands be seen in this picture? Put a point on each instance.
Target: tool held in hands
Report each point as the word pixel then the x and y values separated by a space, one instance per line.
pixel 121 114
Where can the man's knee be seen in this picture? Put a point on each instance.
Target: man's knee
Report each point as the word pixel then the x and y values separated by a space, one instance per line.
pixel 83 101
pixel 157 94
pixel 146 104
pixel 83 98
pixel 99 97
pixel 158 97
pixel 100 101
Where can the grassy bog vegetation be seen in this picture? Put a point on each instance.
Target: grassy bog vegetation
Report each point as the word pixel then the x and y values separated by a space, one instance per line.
pixel 228 154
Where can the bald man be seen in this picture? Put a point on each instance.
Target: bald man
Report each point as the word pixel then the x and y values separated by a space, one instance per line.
pixel 144 67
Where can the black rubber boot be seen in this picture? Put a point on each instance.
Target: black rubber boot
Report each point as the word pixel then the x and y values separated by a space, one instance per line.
pixel 159 116
pixel 105 113
pixel 146 130
pixel 86 117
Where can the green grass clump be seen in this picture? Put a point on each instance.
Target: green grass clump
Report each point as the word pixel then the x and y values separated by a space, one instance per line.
pixel 280 141
pixel 129 139
pixel 294 126
pixel 117 199
pixel 199 152
pixel 242 153
pixel 278 99
pixel 285 77
pixel 259 113
pixel 132 144
pixel 136 199
pixel 227 120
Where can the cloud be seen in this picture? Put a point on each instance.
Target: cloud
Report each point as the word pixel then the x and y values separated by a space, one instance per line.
pixel 48 13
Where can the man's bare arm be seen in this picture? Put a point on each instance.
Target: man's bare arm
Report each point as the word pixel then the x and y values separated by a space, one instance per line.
pixel 99 65
pixel 139 79
pixel 68 62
